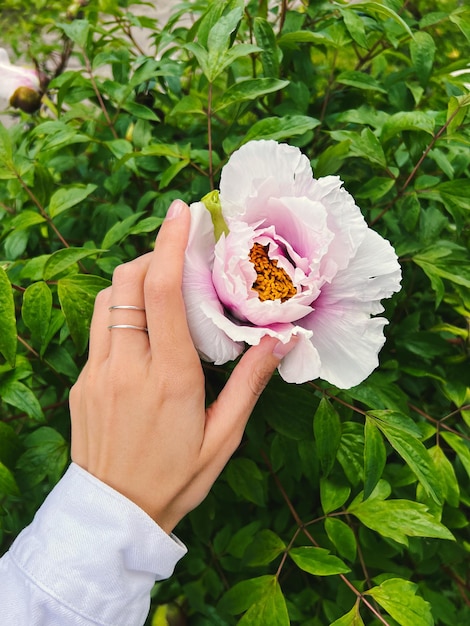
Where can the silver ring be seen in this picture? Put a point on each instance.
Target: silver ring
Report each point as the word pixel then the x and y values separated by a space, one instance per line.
pixel 127 307
pixel 131 326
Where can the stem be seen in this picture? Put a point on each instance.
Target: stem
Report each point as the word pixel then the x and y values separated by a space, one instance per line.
pixel 439 423
pixel 282 15
pixel 209 136
pixel 301 527
pixel 326 99
pixel 7 208
pixel 42 210
pixel 28 347
pixel 98 95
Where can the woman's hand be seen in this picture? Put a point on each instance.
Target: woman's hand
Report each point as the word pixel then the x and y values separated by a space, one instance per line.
pixel 139 421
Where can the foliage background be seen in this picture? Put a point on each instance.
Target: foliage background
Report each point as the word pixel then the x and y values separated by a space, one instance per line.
pixel 344 507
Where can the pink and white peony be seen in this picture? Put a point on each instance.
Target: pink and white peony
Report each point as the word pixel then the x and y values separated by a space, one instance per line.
pixel 19 86
pixel 298 259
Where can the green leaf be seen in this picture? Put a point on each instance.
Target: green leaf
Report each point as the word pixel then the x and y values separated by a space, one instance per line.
pixel 398 597
pixel 8 338
pixel 9 445
pixel 360 80
pixel 396 419
pixel 266 39
pixel 422 49
pixel 460 447
pixel 187 105
pixel 280 128
pixel 67 197
pixel 77 296
pixel 77 31
pixel 249 89
pixel 26 218
pixel 383 11
pixel 342 537
pixel 407 120
pixel 62 260
pixel 246 480
pixel 245 593
pixel 351 452
pixel 120 230
pixel 355 26
pixel 278 406
pixel 448 479
pixel 318 561
pixel 456 112
pixel 398 519
pixel 218 42
pixel 36 312
pixel 8 486
pixel 172 171
pixel 331 159
pixel 333 495
pixel 265 547
pixel 374 456
pixel 20 396
pixel 140 111
pixel 352 618
pixel 271 609
pixel 376 188
pixel 327 431
pixel 415 455
pixel 46 455
pixel 462 21
pixel 6 146
pixel 365 145
pixel 456 191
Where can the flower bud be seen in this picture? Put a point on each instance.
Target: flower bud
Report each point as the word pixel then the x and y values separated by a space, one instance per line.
pixel 26 99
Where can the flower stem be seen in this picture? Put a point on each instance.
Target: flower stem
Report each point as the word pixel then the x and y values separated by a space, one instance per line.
pixel 209 136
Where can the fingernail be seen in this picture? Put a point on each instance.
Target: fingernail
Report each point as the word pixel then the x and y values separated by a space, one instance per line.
pixel 175 209
pixel 281 349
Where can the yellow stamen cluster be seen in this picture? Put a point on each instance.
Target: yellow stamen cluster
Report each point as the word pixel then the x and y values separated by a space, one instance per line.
pixel 272 282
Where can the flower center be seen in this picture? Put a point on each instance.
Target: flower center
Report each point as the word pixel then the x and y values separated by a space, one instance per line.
pixel 272 282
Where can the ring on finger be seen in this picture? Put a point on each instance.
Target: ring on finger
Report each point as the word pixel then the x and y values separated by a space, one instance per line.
pixel 126 307
pixel 128 326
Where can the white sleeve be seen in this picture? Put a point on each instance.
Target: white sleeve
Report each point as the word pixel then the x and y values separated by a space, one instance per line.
pixel 90 557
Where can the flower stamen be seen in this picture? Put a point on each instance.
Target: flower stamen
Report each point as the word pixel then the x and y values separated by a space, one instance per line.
pixel 272 282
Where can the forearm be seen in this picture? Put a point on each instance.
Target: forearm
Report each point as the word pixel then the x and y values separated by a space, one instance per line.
pixel 90 556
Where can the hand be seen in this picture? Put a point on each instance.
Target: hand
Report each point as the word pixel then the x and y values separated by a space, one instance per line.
pixel 139 421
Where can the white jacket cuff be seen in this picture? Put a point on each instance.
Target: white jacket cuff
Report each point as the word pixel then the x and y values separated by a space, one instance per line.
pixel 95 552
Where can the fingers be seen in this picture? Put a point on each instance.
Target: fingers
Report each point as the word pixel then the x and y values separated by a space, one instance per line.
pixel 166 315
pixel 128 290
pixel 100 339
pixel 229 414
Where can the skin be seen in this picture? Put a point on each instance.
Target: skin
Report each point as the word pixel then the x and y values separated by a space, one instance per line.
pixel 139 420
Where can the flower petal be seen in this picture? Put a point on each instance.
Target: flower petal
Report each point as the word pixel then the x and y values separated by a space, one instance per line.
pixel 374 273
pixel 348 342
pixel 211 342
pixel 303 361
pixel 263 170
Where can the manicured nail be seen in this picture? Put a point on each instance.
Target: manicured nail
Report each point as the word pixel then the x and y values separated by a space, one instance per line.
pixel 175 209
pixel 281 349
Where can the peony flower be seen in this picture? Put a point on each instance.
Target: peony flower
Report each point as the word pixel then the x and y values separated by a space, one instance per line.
pixel 19 86
pixel 296 258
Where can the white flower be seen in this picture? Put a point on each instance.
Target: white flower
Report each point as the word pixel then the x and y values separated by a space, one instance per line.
pixel 298 259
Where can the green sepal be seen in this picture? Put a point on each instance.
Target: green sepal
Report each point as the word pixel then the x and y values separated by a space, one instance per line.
pixel 212 203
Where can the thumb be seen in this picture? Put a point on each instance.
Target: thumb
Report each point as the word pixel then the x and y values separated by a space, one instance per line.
pixel 230 412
